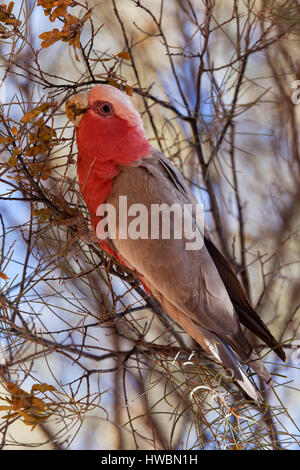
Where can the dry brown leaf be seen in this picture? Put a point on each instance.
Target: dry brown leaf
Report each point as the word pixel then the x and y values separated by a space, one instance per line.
pixel 124 55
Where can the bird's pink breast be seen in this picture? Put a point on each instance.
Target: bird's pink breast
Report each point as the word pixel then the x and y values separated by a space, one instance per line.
pixel 103 146
pixel 111 139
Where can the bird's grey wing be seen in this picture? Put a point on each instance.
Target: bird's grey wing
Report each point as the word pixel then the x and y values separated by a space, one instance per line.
pixel 238 296
pixel 187 279
pixel 247 315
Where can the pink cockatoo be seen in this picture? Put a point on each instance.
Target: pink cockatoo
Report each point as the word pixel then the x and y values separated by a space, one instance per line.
pixel 197 288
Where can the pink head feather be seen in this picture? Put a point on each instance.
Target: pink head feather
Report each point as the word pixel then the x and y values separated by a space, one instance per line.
pixel 106 142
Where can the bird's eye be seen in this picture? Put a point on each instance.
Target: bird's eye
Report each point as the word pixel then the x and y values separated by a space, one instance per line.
pixel 103 108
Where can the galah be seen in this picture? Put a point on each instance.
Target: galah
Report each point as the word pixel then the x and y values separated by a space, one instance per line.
pixel 197 288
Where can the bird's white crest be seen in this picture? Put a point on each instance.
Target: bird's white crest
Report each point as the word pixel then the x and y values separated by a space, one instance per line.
pixel 123 107
pixel 122 104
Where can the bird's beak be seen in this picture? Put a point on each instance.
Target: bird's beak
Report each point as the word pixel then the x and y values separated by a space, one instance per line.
pixel 76 107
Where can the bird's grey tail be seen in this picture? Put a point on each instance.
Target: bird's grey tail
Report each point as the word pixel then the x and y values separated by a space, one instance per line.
pixel 257 365
pixel 224 354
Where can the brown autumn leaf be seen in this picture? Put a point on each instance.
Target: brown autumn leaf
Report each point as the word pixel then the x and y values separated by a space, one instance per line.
pixel 42 388
pixel 39 404
pixel 53 3
pixel 114 83
pixel 41 170
pixel 3 276
pixel 35 150
pixel 31 115
pixel 6 140
pixel 10 7
pixel 46 173
pixel 50 4
pixel 15 390
pixel 50 37
pixel 41 140
pixel 46 134
pixel 6 15
pixel 129 90
pixel 25 405
pixel 124 55
pixel 54 8
pixel 12 161
pixel 70 33
pixel 43 214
